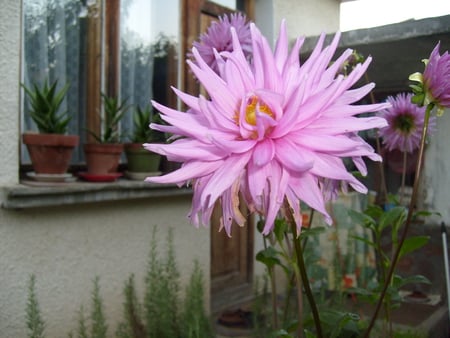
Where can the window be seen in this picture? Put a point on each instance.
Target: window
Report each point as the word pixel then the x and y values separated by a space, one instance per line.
pixel 77 42
pixel 148 52
pixel 55 40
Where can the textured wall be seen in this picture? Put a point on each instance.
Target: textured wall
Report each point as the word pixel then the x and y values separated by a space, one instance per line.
pixel 66 247
pixel 303 17
pixel 307 17
pixel 435 183
pixel 10 22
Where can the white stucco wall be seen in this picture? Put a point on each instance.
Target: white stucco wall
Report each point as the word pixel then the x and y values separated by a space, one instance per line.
pixel 66 247
pixel 303 17
pixel 307 17
pixel 10 21
pixel 435 183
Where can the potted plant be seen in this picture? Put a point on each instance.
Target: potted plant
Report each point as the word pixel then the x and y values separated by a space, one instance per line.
pixel 141 162
pixel 102 157
pixel 51 148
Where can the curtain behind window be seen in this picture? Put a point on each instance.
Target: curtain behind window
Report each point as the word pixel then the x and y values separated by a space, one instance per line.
pixel 149 32
pixel 54 49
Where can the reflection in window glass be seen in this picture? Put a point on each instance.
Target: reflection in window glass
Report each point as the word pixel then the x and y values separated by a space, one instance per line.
pixel 149 63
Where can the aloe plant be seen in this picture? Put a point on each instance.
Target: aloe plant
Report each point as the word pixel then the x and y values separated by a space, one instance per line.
pixel 45 104
pixel 141 121
pixel 114 109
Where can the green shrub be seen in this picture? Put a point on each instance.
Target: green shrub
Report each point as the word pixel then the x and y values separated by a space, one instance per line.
pixel 161 314
pixel 99 327
pixel 35 323
pixel 194 318
pixel 132 327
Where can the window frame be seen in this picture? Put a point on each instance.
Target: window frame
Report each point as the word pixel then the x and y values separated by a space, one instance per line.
pixel 103 57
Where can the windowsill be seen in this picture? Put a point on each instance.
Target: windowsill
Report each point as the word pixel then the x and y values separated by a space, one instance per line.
pixel 34 195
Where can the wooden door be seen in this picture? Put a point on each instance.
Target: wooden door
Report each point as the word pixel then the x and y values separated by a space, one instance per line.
pixel 231 262
pixel 231 258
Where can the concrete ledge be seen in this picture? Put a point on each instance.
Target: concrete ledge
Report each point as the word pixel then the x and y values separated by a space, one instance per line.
pixel 25 196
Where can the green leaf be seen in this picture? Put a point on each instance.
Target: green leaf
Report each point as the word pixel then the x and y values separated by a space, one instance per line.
pixel 45 103
pixel 416 88
pixel 364 240
pixel 268 257
pixel 393 217
pixel 360 291
pixel 374 211
pixel 292 326
pixel 260 226
pixel 425 213
pixel 308 232
pixel 309 334
pixel 413 243
pixel 400 282
pixel 280 229
pixel 418 99
pixel 114 112
pixel 343 323
pixel 363 219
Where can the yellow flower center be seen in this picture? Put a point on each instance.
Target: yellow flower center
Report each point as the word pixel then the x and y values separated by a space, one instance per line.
pixel 254 105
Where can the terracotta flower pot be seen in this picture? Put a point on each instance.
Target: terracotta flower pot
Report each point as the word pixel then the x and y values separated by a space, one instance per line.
pixel 102 158
pixel 50 153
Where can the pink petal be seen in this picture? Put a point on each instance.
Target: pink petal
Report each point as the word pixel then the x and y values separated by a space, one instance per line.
pixel 224 177
pixel 230 208
pixel 188 171
pixel 343 125
pixel 306 188
pixel 185 149
pixel 263 152
pixel 278 182
pixel 291 156
pixel 281 49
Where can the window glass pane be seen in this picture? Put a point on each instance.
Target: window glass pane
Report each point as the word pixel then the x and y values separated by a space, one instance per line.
pixel 226 3
pixel 54 50
pixel 149 62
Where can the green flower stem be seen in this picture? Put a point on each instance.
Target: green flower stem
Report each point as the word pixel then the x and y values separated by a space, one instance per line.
pixel 383 193
pixel 298 284
pixel 303 274
pixel 407 222
pixel 402 191
pixel 273 287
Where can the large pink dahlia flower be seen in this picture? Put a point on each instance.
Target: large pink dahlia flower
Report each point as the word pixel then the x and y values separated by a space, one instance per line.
pixel 272 130
pixel 405 124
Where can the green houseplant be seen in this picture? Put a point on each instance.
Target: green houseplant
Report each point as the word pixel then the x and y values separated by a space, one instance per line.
pixel 51 148
pixel 102 157
pixel 142 162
